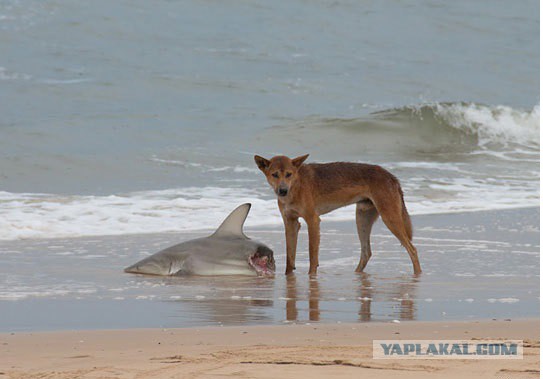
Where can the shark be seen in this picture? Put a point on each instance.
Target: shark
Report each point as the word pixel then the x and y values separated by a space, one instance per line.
pixel 228 251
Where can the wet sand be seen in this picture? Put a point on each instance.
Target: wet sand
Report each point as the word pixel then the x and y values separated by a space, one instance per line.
pixel 288 351
pixel 479 265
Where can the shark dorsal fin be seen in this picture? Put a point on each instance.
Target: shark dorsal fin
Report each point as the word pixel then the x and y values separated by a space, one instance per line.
pixel 233 224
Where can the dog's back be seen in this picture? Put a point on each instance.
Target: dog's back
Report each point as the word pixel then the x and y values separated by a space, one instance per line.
pixel 339 176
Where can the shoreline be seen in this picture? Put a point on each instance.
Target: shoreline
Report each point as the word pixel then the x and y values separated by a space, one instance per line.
pixel 289 351
pixel 81 284
pixel 274 228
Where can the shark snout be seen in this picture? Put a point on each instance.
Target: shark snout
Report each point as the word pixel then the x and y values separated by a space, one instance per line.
pixel 149 267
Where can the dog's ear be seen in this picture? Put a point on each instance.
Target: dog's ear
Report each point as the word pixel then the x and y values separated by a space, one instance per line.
pixel 262 163
pixel 297 162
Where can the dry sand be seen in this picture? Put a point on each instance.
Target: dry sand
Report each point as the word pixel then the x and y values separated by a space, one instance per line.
pixel 289 351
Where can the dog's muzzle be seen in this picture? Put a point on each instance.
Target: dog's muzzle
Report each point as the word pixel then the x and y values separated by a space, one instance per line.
pixel 282 191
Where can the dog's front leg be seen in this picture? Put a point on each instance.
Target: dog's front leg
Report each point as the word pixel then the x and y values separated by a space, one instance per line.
pixel 313 227
pixel 292 227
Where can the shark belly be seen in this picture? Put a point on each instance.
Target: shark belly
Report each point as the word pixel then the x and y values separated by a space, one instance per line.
pixel 209 268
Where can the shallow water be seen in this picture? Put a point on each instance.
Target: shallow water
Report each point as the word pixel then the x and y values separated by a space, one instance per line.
pixel 476 265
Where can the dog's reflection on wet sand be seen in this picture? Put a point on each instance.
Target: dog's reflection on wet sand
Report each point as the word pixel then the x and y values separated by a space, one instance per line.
pixel 403 294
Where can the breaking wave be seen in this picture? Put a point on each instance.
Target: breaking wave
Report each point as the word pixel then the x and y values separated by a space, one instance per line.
pixel 499 124
pixel 423 128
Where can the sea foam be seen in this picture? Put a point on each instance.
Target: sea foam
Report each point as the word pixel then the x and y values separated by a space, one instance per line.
pixel 26 215
pixel 493 124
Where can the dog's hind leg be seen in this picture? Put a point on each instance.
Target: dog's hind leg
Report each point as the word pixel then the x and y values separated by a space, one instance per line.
pixel 392 214
pixel 366 215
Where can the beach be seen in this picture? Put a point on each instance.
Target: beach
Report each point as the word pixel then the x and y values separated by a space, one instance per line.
pixel 127 326
pixel 129 127
pixel 290 351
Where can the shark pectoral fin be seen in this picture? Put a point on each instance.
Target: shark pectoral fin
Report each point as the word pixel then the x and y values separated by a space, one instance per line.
pixel 233 224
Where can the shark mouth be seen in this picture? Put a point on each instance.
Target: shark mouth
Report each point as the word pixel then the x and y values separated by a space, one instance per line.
pixel 262 265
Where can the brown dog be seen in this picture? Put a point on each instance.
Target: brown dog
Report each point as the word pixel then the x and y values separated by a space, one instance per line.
pixel 310 190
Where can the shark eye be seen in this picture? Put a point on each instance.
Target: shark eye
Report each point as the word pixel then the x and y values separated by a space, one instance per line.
pixel 289 174
pixel 275 175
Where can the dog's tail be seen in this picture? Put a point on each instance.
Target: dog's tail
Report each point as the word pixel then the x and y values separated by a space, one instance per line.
pixel 406 218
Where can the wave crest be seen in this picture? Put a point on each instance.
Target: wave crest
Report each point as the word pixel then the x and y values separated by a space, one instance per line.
pixel 412 130
pixel 500 124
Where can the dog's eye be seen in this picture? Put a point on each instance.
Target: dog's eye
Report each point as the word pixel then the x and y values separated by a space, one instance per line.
pixel 275 175
pixel 289 174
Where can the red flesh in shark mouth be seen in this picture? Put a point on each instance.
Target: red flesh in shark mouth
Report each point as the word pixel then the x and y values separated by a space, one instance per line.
pixel 261 265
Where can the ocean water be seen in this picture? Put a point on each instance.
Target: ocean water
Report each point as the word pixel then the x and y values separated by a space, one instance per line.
pixel 129 117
